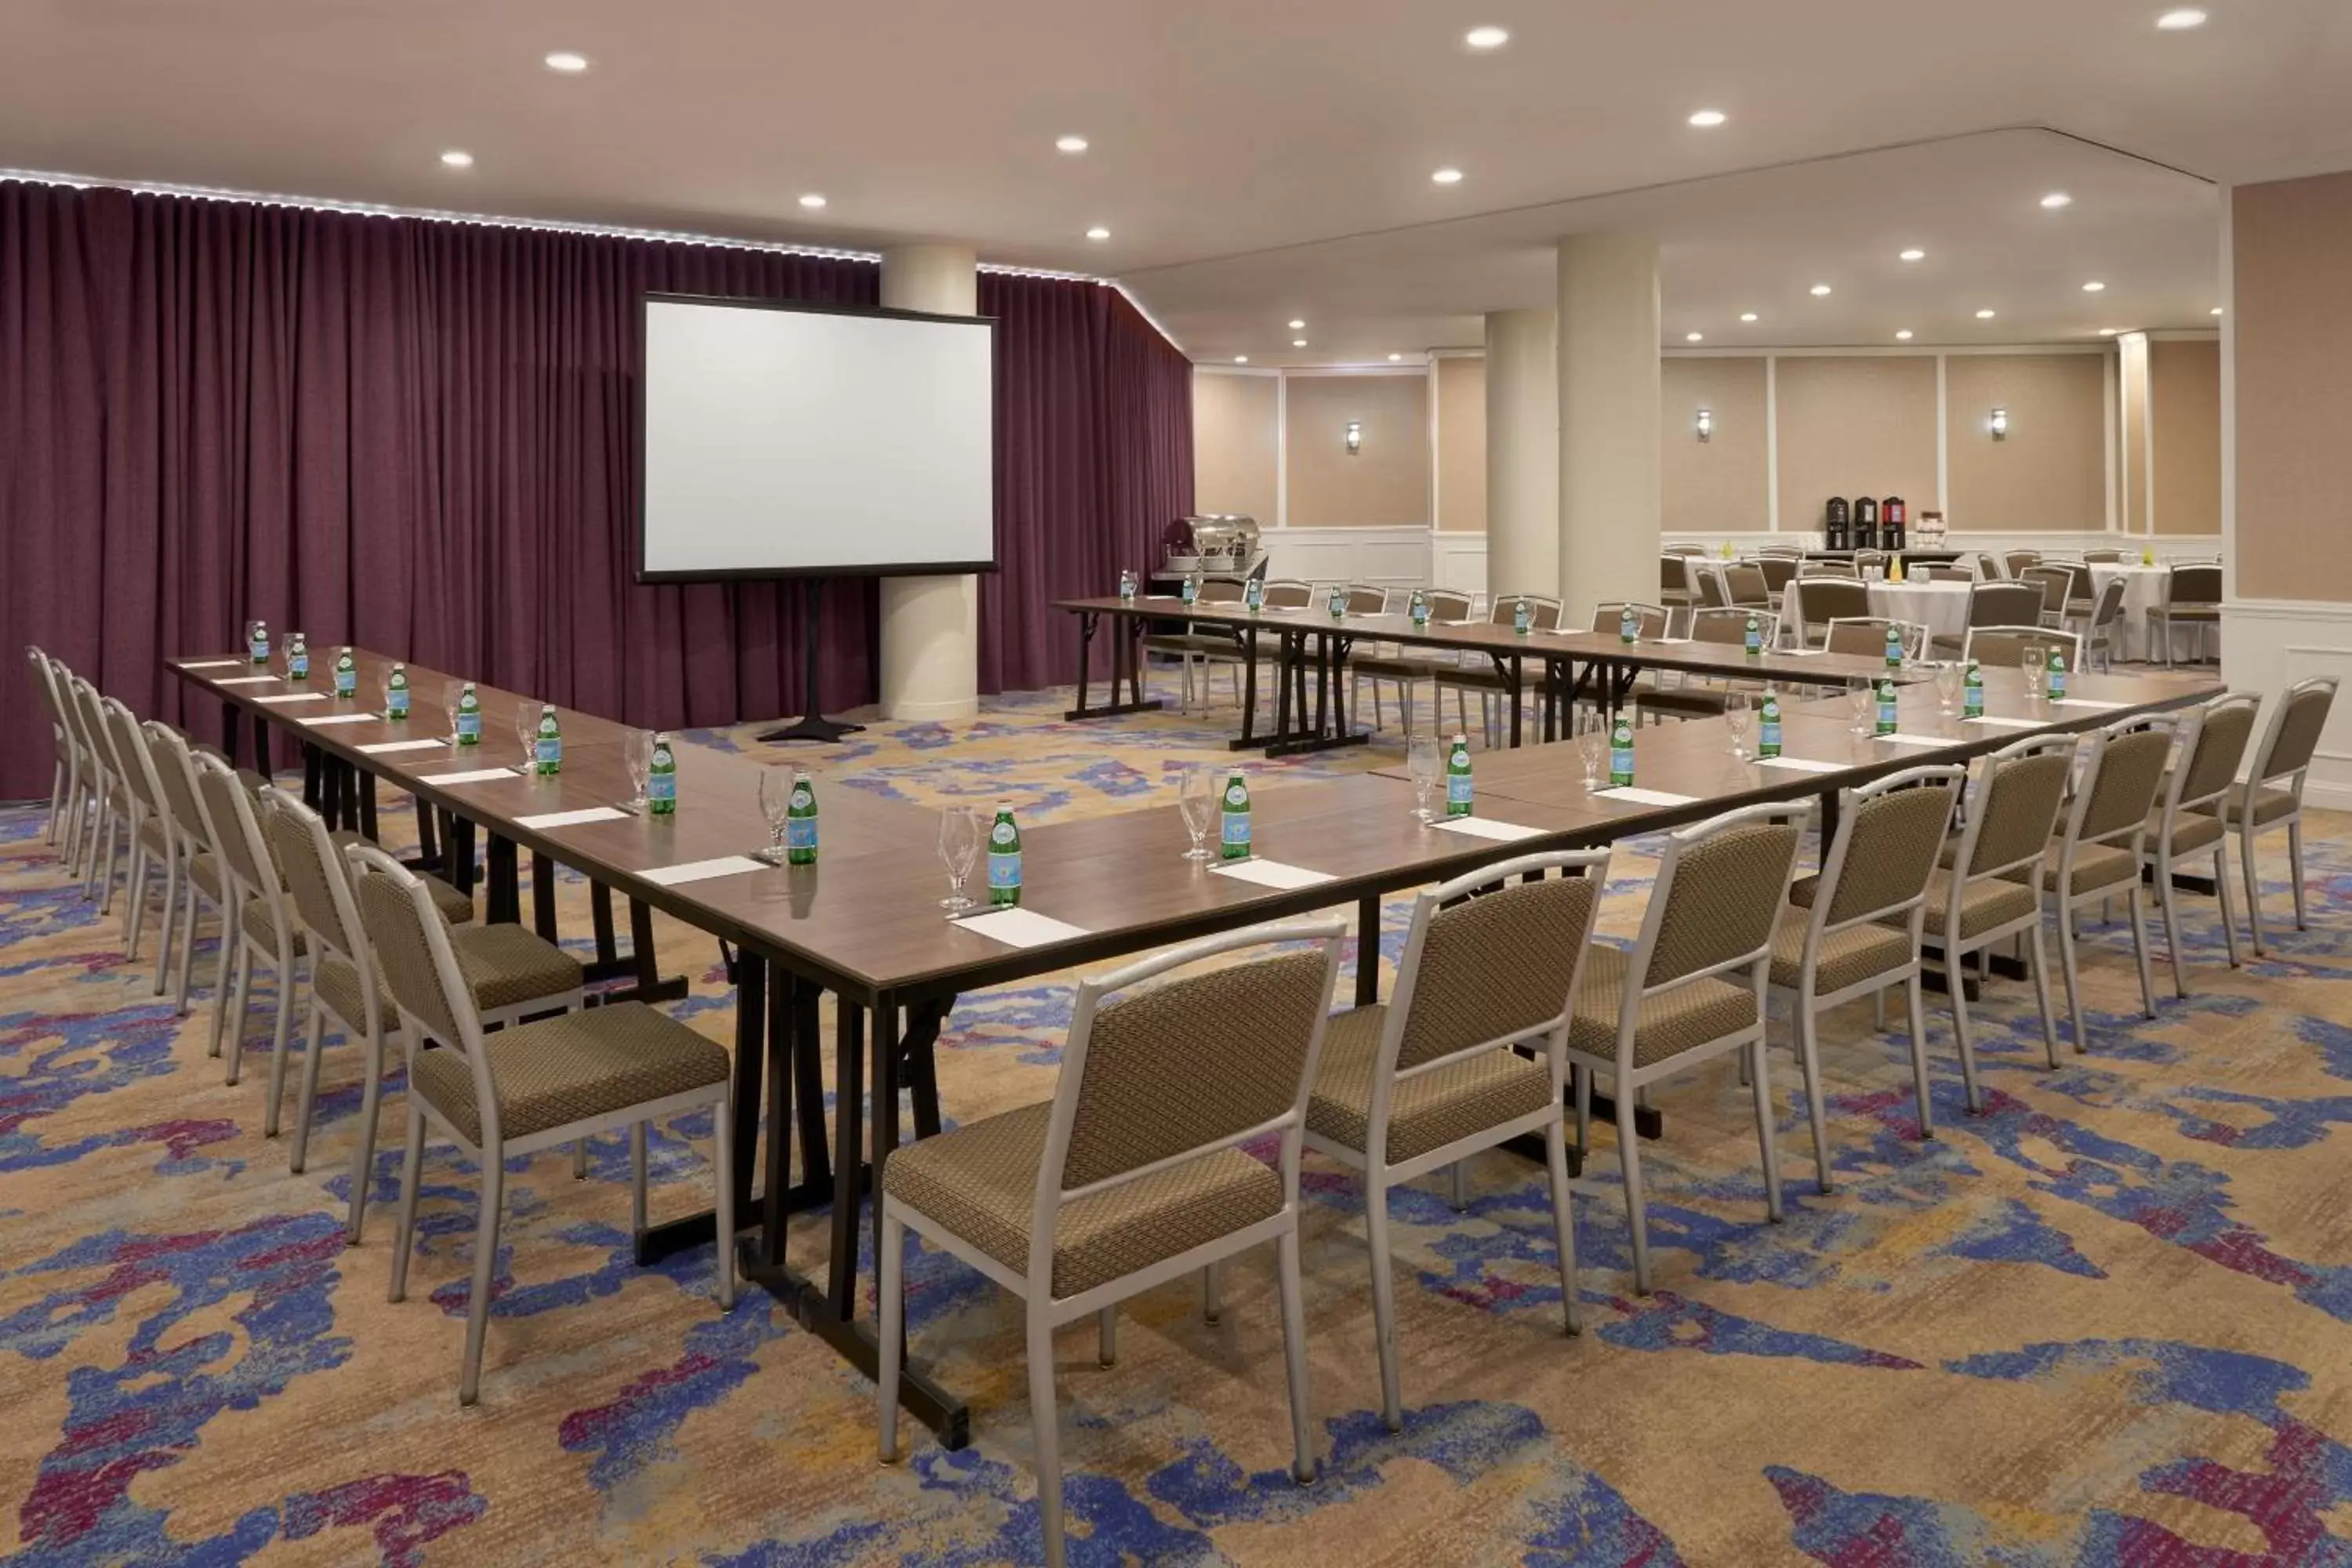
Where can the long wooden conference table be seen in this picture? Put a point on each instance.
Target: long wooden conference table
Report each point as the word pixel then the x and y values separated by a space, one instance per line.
pixel 863 922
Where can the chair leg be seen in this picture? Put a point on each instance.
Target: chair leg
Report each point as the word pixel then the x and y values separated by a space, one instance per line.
pixel 1563 1220
pixel 2253 888
pixel 404 1235
pixel 1106 1335
pixel 486 1267
pixel 187 948
pixel 311 1050
pixel 2221 892
pixel 1212 1293
pixel 637 1177
pixel 2138 906
pixel 171 879
pixel 890 1307
pixel 722 1174
pixel 279 1040
pixel 1460 1176
pixel 580 1158
pixel 2040 962
pixel 1915 1004
pixel 223 970
pixel 135 891
pixel 1376 1232
pixel 2166 906
pixel 1809 1065
pixel 1629 1158
pixel 2294 866
pixel 2068 967
pixel 1583 1109
pixel 240 1011
pixel 364 1150
pixel 1044 1424
pixel 1294 1359
pixel 56 798
pixel 1764 1130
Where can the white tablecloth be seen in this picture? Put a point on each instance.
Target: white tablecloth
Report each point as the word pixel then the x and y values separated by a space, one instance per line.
pixel 2143 588
pixel 1941 607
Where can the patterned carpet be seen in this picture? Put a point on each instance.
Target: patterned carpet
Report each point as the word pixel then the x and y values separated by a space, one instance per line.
pixel 2108 1322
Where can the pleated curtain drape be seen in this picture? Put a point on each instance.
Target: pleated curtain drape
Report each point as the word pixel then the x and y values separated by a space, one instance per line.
pixel 420 435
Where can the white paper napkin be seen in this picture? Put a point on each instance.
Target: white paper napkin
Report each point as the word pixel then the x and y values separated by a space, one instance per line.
pixel 1487 828
pixel 293 697
pixel 1633 796
pixel 381 747
pixel 1900 739
pixel 571 819
pixel 337 718
pixel 2005 724
pixel 1803 765
pixel 702 870
pixel 211 663
pixel 246 680
pixel 1020 928
pixel 2082 702
pixel 1273 874
pixel 477 776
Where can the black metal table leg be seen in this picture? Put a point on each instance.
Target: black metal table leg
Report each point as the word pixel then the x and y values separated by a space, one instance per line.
pixel 543 896
pixel 848 1137
pixel 504 896
pixel 1513 678
pixel 232 731
pixel 1125 628
pixel 312 789
pixel 367 806
pixel 1249 691
pixel 751 1046
pixel 1368 951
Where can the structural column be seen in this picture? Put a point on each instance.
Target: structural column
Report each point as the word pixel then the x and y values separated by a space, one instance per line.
pixel 1610 517
pixel 1522 453
pixel 930 626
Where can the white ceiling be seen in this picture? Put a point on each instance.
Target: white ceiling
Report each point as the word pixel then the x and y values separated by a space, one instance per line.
pixel 1222 129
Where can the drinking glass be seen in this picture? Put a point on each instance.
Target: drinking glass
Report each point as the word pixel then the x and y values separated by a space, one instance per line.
pixel 2035 662
pixel 453 692
pixel 526 723
pixel 1735 719
pixel 1589 748
pixel 776 805
pixel 1422 766
pixel 960 835
pixel 1196 798
pixel 1948 676
pixel 640 751
pixel 1860 696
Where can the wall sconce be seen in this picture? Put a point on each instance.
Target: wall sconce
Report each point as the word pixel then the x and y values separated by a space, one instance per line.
pixel 1355 437
pixel 1703 423
pixel 1998 423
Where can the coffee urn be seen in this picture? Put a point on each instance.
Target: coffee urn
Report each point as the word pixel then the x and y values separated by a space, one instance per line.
pixel 1834 525
pixel 1865 523
pixel 1891 518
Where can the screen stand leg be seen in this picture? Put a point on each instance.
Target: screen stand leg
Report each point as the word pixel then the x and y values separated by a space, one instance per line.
pixel 812 725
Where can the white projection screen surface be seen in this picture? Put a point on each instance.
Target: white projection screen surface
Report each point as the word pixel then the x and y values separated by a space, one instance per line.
pixel 780 441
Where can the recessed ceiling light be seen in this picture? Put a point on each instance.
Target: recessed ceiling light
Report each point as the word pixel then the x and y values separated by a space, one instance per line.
pixel 1446 177
pixel 1914 254
pixel 1747 315
pixel 1069 143
pixel 1693 337
pixel 1819 289
pixel 1241 359
pixel 1903 336
pixel 2215 311
pixel 1394 359
pixel 2057 199
pixel 567 62
pixel 1984 315
pixel 1297 326
pixel 1487 38
pixel 812 201
pixel 457 160
pixel 2094 287
pixel 1708 119
pixel 1299 343
pixel 2181 20
pixel 2109 331
pixel 1097 232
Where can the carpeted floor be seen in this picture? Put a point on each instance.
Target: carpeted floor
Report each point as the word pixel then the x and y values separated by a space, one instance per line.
pixel 2108 1322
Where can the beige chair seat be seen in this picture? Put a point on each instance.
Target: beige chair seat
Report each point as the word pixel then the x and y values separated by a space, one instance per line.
pixel 2194 831
pixel 2270 805
pixel 570 1069
pixel 1426 1111
pixel 1402 666
pixel 151 833
pixel 255 917
pixel 1986 905
pixel 981 1183
pixel 507 964
pixel 2096 865
pixel 1669 1024
pixel 1178 644
pixel 1848 957
pixel 2186 612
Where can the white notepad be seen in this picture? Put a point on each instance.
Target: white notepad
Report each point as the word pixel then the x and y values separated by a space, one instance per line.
pixel 1633 796
pixel 1803 765
pixel 2081 702
pixel 477 776
pixel 702 870
pixel 246 680
pixel 572 818
pixel 1487 828
pixel 1273 874
pixel 2006 723
pixel 337 719
pixel 211 664
pixel 293 697
pixel 381 747
pixel 1021 928
pixel 1900 739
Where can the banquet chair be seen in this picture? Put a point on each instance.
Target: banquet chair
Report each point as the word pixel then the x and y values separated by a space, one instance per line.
pixel 1468 1053
pixel 1934 573
pixel 2188 820
pixel 2102 557
pixel 1677 590
pixel 1865 636
pixel 2003 647
pixel 1988 567
pixel 1869 564
pixel 2272 796
pixel 1830 566
pixel 2056 582
pixel 1995 604
pixel 1691 989
pixel 257 921
pixel 1858 929
pixel 2017 561
pixel 153 837
pixel 1723 627
pixel 1133 1174
pixel 511 973
pixel 2097 855
pixel 1205 644
pixel 1747 584
pixel 1817 602
pixel 1404 666
pixel 1480 674
pixel 175 770
pixel 65 769
pixel 1778 571
pixel 2099 631
pixel 105 803
pixel 1707 582
pixel 532 1087
pixel 2190 596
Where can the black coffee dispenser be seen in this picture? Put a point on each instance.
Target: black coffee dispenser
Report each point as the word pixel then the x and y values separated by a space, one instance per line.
pixel 1837 524
pixel 1892 515
pixel 1865 523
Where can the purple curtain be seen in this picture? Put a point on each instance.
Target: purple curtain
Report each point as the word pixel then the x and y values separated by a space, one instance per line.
pixel 419 435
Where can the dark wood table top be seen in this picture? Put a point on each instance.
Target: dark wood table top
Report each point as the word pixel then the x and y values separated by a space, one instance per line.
pixel 1486 637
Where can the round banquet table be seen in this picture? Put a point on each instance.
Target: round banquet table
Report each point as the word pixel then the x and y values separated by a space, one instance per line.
pixel 1941 607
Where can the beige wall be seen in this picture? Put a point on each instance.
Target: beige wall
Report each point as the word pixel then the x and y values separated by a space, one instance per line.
pixel 1386 485
pixel 1720 485
pixel 2051 474
pixel 1462 445
pixel 2292 326
pixel 2185 389
pixel 2132 435
pixel 1236 426
pixel 1854 426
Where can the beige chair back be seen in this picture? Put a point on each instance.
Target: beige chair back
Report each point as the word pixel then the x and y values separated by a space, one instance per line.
pixel 2122 771
pixel 314 870
pixel 1888 835
pixel 2056 584
pixel 1747 583
pixel 1843 571
pixel 1543 613
pixel 1866 635
pixel 1289 594
pixel 412 953
pixel 1652 616
pixel 176 771
pixel 1728 627
pixel 2005 605
pixel 1220 591
pixel 2102 557
pixel 2019 560
pixel 1778 571
pixel 1707 578
pixel 1491 960
pixel 2108 606
pixel 89 726
pixel 1820 600
pixel 235 834
pixel 2214 740
pixel 2199 584
pixel 1988 567
pixel 1717 896
pixel 2294 735
pixel 2018 796
pixel 45 681
pixel 1449 605
pixel 2004 647
pixel 1364 600
pixel 1675 577
pixel 129 743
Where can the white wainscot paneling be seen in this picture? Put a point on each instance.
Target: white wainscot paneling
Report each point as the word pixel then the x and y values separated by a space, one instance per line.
pixel 1458 561
pixel 2267 644
pixel 1381 557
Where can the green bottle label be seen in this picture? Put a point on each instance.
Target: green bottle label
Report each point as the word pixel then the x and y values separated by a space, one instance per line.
pixel 1755 638
pixel 1004 862
pixel 1621 753
pixel 347 675
pixel 661 780
pixel 1885 725
pixel 1457 778
pixel 1234 840
pixel 547 751
pixel 2057 682
pixel 800 823
pixel 469 717
pixel 1767 726
pixel 396 694
pixel 1973 693
pixel 1894 649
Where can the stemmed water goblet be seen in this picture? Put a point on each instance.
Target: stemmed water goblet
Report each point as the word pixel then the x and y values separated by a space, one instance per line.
pixel 1196 801
pixel 961 830
pixel 1421 765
